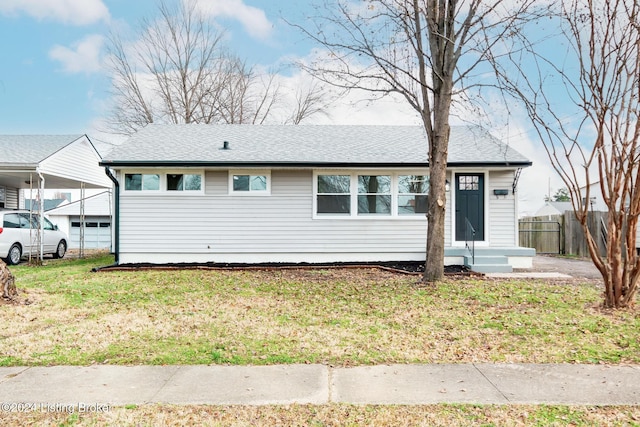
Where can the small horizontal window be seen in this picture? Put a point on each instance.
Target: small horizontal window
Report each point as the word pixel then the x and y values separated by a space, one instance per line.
pixel 184 182
pixel 250 183
pixel 141 182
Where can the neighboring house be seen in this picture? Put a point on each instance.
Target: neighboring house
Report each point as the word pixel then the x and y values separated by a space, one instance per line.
pixel 46 161
pixel 316 194
pixel 553 208
pixel 97 220
pixel 596 201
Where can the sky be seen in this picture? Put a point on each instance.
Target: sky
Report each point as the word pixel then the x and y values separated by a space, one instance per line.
pixel 52 79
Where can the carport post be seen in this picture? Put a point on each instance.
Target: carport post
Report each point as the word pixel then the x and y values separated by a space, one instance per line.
pixel 41 191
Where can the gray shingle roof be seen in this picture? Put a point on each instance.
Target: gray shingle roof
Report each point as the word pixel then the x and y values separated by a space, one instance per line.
pixel 304 145
pixel 31 149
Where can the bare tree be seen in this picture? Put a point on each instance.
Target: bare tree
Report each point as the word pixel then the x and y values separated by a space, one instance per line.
pixel 309 101
pixel 599 136
pixel 178 71
pixel 429 52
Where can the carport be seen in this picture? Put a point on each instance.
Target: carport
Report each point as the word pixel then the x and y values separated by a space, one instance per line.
pixel 40 162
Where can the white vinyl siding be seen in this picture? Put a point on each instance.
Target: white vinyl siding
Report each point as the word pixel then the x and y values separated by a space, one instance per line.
pixel 501 210
pixel 216 226
pixel 79 162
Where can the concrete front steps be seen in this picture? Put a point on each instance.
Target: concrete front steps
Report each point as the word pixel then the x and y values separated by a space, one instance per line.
pixel 490 259
pixel 488 264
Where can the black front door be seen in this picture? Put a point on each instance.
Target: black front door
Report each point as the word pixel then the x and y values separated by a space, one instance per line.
pixel 469 205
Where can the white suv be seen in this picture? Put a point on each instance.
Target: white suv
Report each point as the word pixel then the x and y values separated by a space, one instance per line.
pixel 19 236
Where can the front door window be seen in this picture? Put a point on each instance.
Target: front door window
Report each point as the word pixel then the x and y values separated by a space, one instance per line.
pixel 469 206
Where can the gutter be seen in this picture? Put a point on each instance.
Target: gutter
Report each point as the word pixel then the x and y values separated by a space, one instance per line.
pixel 116 215
pixel 239 164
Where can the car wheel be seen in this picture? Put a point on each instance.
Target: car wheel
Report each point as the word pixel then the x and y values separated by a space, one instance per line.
pixel 60 250
pixel 15 254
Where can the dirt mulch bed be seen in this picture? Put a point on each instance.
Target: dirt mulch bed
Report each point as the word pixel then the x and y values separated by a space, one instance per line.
pixel 415 268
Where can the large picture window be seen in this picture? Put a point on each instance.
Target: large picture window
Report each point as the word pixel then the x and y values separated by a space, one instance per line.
pixel 412 194
pixel 370 195
pixel 334 194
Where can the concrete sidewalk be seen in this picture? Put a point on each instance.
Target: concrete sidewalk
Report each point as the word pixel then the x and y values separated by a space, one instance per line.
pixel 320 384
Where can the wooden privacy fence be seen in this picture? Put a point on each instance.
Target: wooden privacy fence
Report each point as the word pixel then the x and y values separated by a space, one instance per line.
pixel 562 234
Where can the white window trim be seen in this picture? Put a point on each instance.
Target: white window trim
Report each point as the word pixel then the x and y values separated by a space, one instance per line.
pixel 142 191
pixel 250 193
pixel 163 182
pixel 164 188
pixel 353 193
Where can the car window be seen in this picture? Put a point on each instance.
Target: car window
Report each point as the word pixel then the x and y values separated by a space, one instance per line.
pixel 48 225
pixel 25 219
pixel 11 221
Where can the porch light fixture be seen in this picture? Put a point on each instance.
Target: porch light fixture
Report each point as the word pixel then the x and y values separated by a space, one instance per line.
pixel 447 186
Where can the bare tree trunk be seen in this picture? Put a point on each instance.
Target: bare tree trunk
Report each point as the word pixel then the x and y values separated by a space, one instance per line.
pixel 438 153
pixel 7 282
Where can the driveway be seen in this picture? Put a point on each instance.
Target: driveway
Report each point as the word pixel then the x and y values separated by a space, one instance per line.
pixel 577 268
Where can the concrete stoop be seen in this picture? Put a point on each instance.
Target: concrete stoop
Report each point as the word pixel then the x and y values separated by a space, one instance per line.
pixel 488 264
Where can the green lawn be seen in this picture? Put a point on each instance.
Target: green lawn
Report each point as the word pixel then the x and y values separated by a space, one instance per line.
pixel 336 316
pixel 339 415
pixel 332 316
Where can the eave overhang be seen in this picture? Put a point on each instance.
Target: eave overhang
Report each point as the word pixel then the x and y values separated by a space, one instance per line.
pixel 298 165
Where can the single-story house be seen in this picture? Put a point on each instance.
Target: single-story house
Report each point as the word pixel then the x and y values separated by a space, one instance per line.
pixel 47 161
pixel 313 194
pixel 96 209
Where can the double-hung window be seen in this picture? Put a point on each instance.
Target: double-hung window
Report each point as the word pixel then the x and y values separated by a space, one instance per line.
pixel 334 194
pixel 374 194
pixel 412 194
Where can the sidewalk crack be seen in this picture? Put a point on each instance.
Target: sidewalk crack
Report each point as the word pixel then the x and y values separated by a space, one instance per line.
pixel 492 383
pixel 152 399
pixel 9 377
pixel 330 384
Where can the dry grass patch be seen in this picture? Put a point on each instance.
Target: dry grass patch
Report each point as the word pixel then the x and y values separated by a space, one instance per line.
pixel 331 316
pixel 338 415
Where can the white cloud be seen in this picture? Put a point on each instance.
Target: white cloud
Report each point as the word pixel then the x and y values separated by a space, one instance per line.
pixel 253 20
pixel 75 12
pixel 82 57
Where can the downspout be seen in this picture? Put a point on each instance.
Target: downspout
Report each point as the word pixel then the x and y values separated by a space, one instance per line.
pixel 116 215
